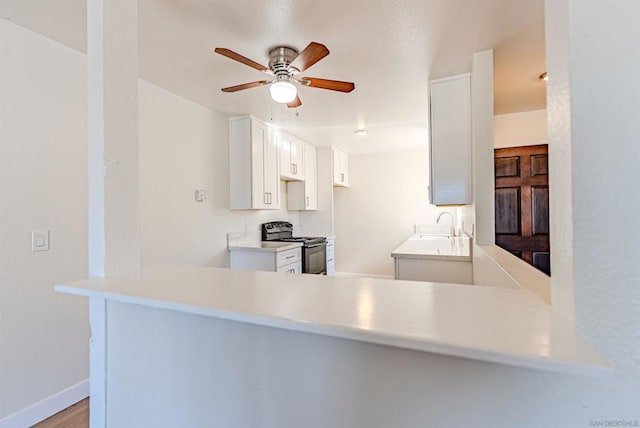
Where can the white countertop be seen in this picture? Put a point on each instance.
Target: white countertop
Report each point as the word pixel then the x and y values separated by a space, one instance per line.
pixel 435 248
pixel 504 326
pixel 273 247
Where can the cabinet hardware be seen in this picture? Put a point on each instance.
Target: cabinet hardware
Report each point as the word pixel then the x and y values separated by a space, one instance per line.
pixel 342 177
pixel 266 198
pixel 290 257
pixel 307 200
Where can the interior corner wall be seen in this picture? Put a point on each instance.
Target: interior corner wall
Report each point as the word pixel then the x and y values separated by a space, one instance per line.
pixel 183 147
pixel 386 197
pixel 44 335
pixel 526 128
pixel 482 146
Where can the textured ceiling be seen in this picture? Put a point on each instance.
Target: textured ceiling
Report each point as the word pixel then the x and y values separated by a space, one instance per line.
pixel 389 48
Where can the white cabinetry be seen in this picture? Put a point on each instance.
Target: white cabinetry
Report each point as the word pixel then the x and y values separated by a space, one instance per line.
pixel 303 195
pixel 453 272
pixel 331 263
pixel 253 158
pixel 289 261
pixel 340 168
pixel 450 145
pixel 291 157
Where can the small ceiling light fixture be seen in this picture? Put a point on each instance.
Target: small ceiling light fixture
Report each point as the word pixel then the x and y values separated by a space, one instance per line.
pixel 283 92
pixel 544 76
pixel 361 132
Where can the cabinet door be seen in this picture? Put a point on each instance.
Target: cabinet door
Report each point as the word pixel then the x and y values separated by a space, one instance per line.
pixel 303 195
pixel 271 177
pixel 297 158
pixel 291 156
pixel 284 147
pixel 450 103
pixel 340 168
pixel 311 179
pixel 259 167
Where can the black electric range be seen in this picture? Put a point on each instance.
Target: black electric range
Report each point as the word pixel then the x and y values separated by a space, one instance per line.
pixel 314 249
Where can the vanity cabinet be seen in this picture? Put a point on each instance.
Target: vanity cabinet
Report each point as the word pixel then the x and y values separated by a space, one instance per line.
pixel 291 156
pixel 253 165
pixel 340 168
pixel 303 195
pixel 450 140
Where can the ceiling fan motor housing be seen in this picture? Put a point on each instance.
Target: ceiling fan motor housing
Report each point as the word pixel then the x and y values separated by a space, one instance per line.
pixel 280 59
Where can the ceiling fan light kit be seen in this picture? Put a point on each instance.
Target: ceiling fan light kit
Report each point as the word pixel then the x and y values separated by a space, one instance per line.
pixel 284 65
pixel 283 92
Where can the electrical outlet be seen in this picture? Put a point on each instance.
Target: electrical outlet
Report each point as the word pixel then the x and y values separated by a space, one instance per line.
pixel 40 240
pixel 201 195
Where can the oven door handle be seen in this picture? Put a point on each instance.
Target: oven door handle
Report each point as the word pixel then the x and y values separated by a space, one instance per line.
pixel 316 245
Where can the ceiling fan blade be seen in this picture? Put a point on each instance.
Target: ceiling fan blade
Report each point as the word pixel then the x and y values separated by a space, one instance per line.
pixel 313 53
pixel 245 86
pixel 295 103
pixel 334 85
pixel 237 57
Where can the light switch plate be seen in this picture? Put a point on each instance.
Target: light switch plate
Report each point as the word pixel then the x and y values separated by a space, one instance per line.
pixel 40 240
pixel 201 195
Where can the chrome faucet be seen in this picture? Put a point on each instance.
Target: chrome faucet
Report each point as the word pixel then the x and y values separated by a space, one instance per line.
pixel 452 231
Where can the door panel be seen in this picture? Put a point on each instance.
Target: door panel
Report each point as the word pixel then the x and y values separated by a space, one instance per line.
pixel 508 210
pixel 542 260
pixel 539 165
pixel 522 203
pixel 508 167
pixel 540 210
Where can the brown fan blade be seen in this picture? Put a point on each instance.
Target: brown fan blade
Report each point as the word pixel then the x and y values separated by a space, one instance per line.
pixel 245 86
pixel 237 57
pixel 313 53
pixel 295 103
pixel 334 85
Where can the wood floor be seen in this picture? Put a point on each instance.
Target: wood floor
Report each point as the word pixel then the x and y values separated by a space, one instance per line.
pixel 76 416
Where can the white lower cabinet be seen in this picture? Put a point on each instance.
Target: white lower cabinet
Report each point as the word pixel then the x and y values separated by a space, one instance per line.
pixel 454 272
pixel 273 261
pixel 331 264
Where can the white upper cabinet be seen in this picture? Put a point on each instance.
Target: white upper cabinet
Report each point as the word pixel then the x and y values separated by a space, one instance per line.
pixel 253 165
pixel 340 168
pixel 291 156
pixel 303 195
pixel 450 145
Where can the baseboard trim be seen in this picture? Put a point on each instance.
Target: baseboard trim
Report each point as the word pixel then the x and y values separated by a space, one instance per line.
pixel 48 407
pixel 362 275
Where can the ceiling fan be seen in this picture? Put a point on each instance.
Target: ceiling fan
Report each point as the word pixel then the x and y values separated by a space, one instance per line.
pixel 285 63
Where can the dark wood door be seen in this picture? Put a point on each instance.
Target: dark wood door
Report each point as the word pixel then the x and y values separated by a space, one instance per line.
pixel 522 203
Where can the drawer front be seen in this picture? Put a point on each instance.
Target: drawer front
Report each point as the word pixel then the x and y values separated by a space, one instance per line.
pixel 288 257
pixel 291 268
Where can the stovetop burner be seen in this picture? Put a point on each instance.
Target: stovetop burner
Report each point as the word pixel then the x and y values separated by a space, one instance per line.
pixel 283 231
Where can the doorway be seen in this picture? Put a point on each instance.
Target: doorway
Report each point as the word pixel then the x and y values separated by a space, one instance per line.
pixel 522 203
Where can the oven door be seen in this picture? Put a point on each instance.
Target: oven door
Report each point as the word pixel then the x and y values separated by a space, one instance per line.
pixel 314 259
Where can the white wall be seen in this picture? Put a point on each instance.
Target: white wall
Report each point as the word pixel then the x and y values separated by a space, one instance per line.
pixel 525 128
pixel 184 146
pixel 386 197
pixel 44 336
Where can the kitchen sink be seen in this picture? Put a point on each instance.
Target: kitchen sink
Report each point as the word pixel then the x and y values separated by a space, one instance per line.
pixel 430 237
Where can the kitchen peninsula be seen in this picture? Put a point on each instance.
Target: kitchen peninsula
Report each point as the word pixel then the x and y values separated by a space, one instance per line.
pixel 202 346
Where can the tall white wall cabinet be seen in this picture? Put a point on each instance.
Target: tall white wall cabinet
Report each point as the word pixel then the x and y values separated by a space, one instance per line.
pixel 450 142
pixel 254 169
pixel 303 195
